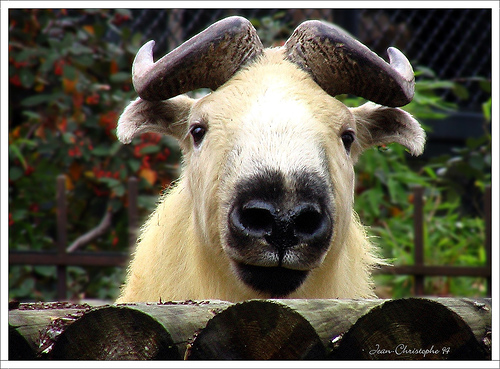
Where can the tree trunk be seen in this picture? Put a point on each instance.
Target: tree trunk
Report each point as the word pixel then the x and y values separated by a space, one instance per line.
pixel 448 328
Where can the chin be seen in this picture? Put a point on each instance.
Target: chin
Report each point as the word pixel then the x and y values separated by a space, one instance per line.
pixel 276 282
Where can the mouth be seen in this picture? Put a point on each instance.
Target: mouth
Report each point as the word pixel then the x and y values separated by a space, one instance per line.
pixel 275 281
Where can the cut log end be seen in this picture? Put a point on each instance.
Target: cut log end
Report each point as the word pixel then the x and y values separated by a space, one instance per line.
pixel 409 329
pixel 257 330
pixel 115 333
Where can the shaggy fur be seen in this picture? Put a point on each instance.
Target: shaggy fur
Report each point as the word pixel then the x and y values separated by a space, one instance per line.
pixel 270 114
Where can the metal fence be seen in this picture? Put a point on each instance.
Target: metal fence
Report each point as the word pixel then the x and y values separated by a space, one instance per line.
pixel 61 258
pixel 454 43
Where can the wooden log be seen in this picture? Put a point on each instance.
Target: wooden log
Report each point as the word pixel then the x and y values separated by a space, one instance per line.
pixel 182 319
pixel 115 333
pixel 19 348
pixel 332 318
pixel 30 320
pixel 41 325
pixel 257 330
pixel 409 329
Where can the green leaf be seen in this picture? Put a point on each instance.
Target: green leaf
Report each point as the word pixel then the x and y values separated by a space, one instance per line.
pixel 79 49
pixel 45 271
pixel 120 77
pixel 430 172
pixel 111 182
pixel 476 161
pixel 26 54
pixel 27 77
pixel 134 165
pixel 14 149
pixel 481 255
pixel 461 91
pixel 151 149
pixel 68 137
pixel 147 202
pixel 48 63
pixel 69 72
pixel 28 143
pixel 101 150
pixel 373 198
pixel 19 214
pixel 126 34
pixel 115 204
pixel 37 100
pixel 15 173
pixel 487 110
pixel 393 187
pixel 26 287
pixel 424 71
pixel 67 42
pixel 125 12
pixel 433 85
pixel 84 60
pixel 99 30
pixel 32 115
pixel 119 190
pixel 115 147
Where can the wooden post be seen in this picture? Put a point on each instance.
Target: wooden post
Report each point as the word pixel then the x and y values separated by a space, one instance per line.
pixel 62 236
pixel 418 228
pixel 132 211
pixel 487 230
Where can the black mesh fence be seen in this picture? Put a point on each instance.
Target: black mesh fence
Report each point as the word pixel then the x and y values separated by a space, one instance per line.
pixel 454 43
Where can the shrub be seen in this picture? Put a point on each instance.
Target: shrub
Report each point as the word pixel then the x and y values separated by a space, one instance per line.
pixel 68 84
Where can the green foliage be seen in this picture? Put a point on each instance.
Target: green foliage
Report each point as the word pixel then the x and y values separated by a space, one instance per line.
pixel 68 83
pixel 272 30
pixel 454 230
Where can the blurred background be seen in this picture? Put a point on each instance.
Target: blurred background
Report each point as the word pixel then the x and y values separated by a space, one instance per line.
pixel 77 196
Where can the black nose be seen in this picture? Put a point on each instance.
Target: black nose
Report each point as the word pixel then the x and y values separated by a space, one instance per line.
pixel 305 222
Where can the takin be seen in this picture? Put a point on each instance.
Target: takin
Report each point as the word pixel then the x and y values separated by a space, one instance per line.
pixel 263 207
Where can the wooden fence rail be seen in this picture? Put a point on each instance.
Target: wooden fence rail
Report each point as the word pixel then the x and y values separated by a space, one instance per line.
pixel 61 258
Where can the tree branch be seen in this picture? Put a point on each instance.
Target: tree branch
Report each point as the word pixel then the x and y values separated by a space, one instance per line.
pixel 93 233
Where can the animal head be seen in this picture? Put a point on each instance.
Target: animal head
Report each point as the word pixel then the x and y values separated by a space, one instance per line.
pixel 269 153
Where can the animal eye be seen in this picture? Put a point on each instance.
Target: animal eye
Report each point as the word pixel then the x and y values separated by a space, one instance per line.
pixel 198 132
pixel 347 139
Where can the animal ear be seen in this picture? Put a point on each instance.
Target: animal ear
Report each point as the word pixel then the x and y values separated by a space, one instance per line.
pixel 168 117
pixel 381 125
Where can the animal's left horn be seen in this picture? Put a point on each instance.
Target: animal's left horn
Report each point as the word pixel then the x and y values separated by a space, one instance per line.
pixel 207 60
pixel 341 64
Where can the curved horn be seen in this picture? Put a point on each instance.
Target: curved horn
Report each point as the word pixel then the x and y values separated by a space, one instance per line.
pixel 207 60
pixel 340 64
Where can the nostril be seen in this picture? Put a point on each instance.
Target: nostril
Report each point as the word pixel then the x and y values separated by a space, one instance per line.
pixel 254 217
pixel 309 221
pixel 259 220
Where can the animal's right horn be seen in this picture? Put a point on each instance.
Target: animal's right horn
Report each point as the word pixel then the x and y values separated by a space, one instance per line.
pixel 207 60
pixel 340 64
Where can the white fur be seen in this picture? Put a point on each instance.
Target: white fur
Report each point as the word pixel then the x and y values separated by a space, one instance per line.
pixel 270 114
